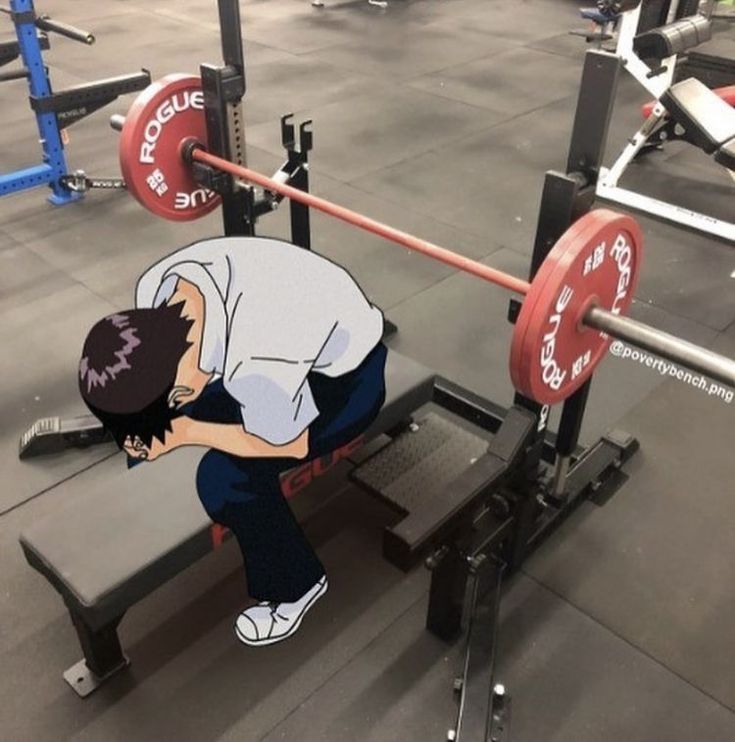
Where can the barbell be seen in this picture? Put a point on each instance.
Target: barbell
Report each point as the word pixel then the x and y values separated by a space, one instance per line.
pixel 571 309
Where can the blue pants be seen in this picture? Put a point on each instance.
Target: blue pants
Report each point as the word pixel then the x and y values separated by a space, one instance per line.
pixel 244 494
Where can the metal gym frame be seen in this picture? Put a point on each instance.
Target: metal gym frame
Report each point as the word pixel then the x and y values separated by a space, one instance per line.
pixel 648 15
pixel 55 111
pixel 501 508
pixel 495 513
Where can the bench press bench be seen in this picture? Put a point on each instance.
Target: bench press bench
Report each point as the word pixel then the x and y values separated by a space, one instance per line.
pixel 121 533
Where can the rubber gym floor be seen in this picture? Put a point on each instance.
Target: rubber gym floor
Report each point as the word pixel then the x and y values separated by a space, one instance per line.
pixel 440 117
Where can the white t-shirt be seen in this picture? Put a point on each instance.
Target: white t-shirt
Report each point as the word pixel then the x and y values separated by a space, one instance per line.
pixel 274 312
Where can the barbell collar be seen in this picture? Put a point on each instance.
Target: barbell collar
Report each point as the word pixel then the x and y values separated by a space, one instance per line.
pixel 187 148
pixel 662 344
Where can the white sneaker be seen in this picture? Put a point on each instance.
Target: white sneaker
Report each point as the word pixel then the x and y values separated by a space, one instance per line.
pixel 268 623
pixel 317 3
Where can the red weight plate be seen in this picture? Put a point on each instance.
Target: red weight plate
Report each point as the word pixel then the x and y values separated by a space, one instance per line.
pixel 166 112
pixel 595 262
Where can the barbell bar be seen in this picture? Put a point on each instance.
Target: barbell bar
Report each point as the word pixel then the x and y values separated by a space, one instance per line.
pixel 571 309
pixel 193 150
pixel 636 333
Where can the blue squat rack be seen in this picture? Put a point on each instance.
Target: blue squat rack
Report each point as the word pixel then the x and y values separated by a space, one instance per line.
pixel 55 111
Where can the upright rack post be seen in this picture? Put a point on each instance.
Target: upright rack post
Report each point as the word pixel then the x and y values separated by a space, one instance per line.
pixel 54 165
pixel 224 88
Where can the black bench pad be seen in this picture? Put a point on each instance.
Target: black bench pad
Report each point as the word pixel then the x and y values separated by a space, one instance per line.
pixel 707 118
pixel 119 534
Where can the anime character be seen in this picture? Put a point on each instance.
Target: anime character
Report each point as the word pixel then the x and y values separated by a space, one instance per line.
pixel 266 354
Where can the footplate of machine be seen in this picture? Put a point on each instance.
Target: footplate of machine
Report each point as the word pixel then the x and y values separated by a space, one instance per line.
pixel 419 463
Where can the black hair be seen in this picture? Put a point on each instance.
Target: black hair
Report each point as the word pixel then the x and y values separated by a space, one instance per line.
pixel 128 369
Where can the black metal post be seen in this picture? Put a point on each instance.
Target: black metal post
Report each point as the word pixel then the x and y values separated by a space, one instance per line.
pixel 593 115
pixel 566 197
pixel 231 36
pixel 296 168
pixel 575 198
pixel 300 219
pixel 475 717
pixel 102 650
pixel 449 574
pixel 559 194
pixel 223 89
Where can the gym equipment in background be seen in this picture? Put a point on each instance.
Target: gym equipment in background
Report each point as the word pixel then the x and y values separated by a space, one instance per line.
pixel 604 18
pixel 474 509
pixel 650 38
pixel 55 111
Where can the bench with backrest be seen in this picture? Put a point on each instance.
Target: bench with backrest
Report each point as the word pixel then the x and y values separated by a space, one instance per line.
pixel 693 113
pixel 707 117
pixel 652 38
pixel 120 534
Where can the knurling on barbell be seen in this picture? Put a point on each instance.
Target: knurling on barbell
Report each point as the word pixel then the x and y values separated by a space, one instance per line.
pixel 573 307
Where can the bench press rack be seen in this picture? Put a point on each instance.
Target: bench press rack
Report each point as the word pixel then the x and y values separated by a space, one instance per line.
pixel 473 521
pixel 497 512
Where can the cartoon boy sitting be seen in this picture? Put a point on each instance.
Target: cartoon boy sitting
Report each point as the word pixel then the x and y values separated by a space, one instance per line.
pixel 266 354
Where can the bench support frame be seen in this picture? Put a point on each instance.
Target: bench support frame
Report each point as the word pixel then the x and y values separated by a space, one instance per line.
pixel 103 655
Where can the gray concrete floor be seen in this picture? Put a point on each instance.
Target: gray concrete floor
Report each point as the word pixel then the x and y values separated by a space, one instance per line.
pixel 439 116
